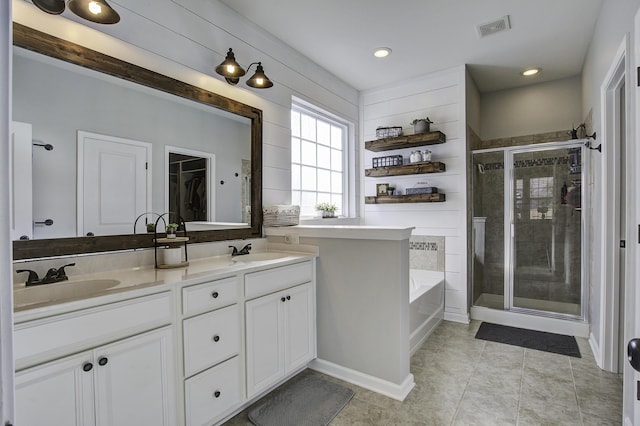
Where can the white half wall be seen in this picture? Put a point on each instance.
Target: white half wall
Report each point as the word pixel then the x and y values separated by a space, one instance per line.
pixel 441 97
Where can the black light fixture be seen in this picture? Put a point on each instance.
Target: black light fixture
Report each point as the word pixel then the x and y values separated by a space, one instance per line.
pixel 97 11
pixel 259 80
pixel 232 71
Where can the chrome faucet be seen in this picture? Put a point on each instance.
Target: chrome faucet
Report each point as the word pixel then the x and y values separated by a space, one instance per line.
pixel 244 250
pixel 53 276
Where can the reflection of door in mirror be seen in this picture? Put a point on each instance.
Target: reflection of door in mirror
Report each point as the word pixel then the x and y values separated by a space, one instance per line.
pixel 114 183
pixel 21 177
pixel 189 190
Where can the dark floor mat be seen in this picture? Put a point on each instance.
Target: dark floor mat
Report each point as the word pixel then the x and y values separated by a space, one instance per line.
pixel 310 401
pixel 531 339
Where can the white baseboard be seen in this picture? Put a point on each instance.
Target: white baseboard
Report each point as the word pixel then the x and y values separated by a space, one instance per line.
pixel 595 348
pixel 451 316
pixel 532 322
pixel 418 337
pixel 375 384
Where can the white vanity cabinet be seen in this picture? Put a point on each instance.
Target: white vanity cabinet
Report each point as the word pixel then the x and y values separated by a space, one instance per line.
pixel 211 350
pixel 280 326
pixel 128 382
pixel 109 365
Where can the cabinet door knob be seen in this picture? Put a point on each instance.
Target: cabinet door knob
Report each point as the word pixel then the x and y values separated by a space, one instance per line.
pixel 282 299
pixel 87 366
pixel 215 294
pixel 216 394
pixel 288 297
pixel 216 338
pixel 103 361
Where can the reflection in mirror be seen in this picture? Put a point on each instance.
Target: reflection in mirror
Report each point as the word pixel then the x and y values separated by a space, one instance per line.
pixel 62 101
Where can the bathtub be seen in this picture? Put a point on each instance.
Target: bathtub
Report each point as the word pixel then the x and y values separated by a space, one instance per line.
pixel 426 305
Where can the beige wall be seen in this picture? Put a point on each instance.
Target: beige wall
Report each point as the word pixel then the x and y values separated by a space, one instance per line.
pixel 539 108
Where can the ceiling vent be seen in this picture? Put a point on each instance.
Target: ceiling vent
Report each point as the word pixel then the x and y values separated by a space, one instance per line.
pixel 493 27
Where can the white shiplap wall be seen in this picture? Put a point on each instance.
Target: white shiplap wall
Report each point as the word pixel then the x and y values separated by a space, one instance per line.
pixel 187 39
pixel 441 97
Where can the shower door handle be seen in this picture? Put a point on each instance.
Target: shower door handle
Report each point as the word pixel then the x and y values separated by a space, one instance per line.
pixel 633 353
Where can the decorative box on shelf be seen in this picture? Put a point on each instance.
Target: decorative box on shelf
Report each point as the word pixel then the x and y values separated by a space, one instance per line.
pixel 388 132
pixel 386 161
pixel 280 215
pixel 422 187
pixel 422 190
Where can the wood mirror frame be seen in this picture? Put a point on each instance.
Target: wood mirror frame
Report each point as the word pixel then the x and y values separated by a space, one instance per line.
pixel 46 44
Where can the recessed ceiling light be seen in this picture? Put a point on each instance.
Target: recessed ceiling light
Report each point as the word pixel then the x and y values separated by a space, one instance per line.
pixel 382 52
pixel 531 71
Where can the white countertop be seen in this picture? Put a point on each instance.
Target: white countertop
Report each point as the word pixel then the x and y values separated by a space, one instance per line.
pixel 136 282
pixel 352 232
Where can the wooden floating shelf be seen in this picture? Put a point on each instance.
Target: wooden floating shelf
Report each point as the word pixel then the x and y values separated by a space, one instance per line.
pixel 408 141
pixel 413 198
pixel 407 169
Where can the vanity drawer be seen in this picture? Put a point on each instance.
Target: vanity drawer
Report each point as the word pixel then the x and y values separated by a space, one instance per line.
pixel 212 393
pixel 60 335
pixel 271 280
pixel 210 338
pixel 208 296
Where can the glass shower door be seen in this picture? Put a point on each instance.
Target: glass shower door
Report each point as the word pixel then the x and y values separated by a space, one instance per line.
pixel 546 228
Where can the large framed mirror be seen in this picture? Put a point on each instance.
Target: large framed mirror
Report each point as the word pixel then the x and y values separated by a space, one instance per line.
pixel 200 134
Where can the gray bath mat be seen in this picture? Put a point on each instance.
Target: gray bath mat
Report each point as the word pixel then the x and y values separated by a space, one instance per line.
pixel 311 401
pixel 538 340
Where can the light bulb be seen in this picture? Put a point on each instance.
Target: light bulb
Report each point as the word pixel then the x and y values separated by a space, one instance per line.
pixel 95 8
pixel 231 69
pixel 260 81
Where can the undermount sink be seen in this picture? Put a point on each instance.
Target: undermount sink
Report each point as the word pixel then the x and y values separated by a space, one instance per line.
pixel 258 257
pixel 57 292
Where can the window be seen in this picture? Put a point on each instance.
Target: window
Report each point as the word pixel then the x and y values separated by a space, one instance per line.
pixel 541 198
pixel 318 158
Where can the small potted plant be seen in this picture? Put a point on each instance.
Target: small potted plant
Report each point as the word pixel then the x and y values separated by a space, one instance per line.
pixel 151 227
pixel 421 125
pixel 328 209
pixel 171 230
pixel 391 190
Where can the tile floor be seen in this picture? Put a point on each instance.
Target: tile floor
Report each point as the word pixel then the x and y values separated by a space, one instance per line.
pixel 464 381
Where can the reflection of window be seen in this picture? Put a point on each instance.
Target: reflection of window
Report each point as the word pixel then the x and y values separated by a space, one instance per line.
pixel 318 147
pixel 541 198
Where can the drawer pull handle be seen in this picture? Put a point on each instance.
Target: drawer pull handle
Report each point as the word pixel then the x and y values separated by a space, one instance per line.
pixel 103 361
pixel 282 299
pixel 216 338
pixel 215 294
pixel 288 297
pixel 87 366
pixel 216 394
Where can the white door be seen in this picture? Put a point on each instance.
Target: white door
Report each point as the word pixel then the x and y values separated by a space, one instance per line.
pixel 135 381
pixel 265 342
pixel 299 343
pixel 56 393
pixel 21 179
pixel 114 183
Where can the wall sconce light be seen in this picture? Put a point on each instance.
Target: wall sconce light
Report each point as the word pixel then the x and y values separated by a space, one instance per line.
pixel 232 71
pixel 97 11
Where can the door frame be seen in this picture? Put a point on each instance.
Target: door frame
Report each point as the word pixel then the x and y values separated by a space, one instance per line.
pixel 630 405
pixel 610 289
